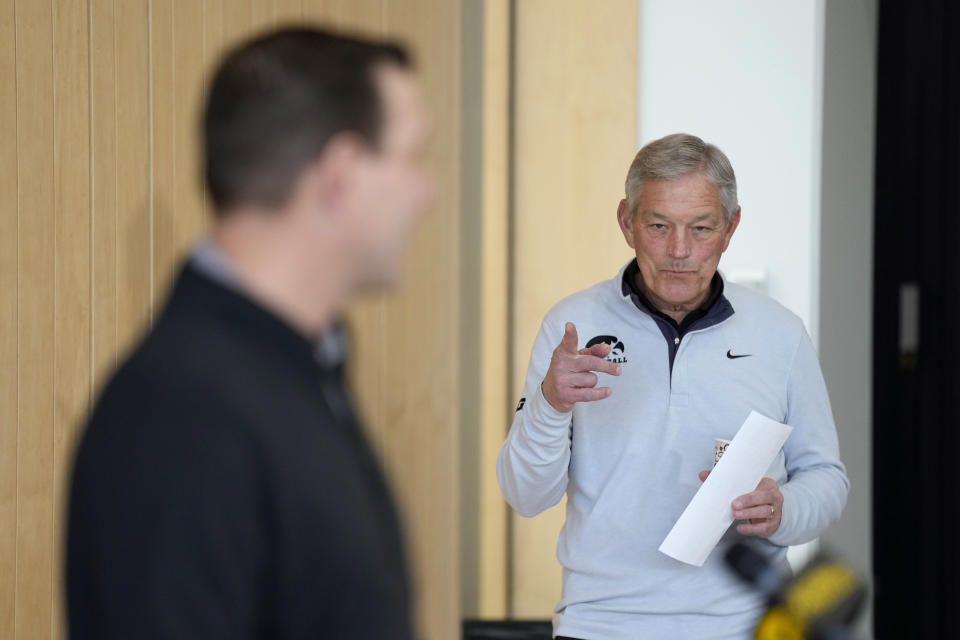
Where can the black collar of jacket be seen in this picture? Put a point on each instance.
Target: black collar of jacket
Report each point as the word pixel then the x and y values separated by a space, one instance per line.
pixel 237 313
pixel 714 310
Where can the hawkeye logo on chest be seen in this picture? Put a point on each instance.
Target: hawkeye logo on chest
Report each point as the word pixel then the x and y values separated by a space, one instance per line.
pixel 616 348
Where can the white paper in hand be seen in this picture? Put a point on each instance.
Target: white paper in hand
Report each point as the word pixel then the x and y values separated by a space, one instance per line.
pixel 709 514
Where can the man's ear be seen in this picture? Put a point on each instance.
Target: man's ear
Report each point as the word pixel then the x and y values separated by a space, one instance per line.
pixel 731 227
pixel 625 220
pixel 330 179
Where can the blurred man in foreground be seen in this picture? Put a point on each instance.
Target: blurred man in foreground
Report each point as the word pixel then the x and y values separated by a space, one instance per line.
pixel 682 358
pixel 223 488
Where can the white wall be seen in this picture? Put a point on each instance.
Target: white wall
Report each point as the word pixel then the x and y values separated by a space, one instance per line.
pixel 846 261
pixel 745 75
pixel 787 90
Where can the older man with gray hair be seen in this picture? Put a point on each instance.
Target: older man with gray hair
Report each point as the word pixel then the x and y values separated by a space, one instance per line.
pixel 629 383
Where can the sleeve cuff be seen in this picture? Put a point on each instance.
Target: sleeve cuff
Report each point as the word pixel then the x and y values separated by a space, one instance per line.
pixel 785 533
pixel 543 413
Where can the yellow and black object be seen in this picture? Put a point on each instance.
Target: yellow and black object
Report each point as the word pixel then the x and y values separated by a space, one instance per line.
pixel 821 603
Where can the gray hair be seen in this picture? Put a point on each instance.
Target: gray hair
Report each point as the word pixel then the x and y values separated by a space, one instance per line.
pixel 679 155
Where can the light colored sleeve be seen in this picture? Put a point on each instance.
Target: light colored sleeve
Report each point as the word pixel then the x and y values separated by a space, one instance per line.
pixel 533 461
pixel 817 485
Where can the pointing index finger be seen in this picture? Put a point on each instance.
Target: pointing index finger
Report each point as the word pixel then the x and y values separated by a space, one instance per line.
pixel 569 341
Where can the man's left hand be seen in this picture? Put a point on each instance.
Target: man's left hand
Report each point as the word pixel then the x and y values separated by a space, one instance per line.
pixel 761 508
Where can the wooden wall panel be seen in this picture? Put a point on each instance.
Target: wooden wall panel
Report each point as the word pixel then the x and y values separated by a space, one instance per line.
pixel 322 12
pixel 262 14
pixel 132 91
pixel 367 318
pixel 103 207
pixel 185 100
pixel 100 197
pixel 237 23
pixel 486 402
pixel 9 356
pixel 163 148
pixel 72 327
pixel 576 113
pixel 287 11
pixel 368 16
pixel 213 30
pixel 421 338
pixel 35 336
pixel 496 400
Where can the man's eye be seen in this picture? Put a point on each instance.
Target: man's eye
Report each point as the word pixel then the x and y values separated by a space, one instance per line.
pixel 658 227
pixel 701 229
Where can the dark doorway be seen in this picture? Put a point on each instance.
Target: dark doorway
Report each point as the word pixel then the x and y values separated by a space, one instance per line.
pixel 917 320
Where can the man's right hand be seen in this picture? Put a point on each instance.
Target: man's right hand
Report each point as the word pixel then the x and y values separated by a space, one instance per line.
pixel 571 378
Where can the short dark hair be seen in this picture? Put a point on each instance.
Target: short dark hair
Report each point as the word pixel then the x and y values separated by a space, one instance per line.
pixel 275 101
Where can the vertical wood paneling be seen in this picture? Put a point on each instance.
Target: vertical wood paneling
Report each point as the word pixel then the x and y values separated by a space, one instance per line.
pixel 188 50
pixel 213 41
pixel 237 22
pixel 133 170
pixel 261 14
pixel 496 407
pixel 367 318
pixel 103 157
pixel 287 11
pixel 214 31
pixel 162 147
pixel 575 74
pixel 362 15
pixel 35 337
pixel 485 402
pixel 71 157
pixel 100 197
pixel 8 318
pixel 324 12
pixel 420 361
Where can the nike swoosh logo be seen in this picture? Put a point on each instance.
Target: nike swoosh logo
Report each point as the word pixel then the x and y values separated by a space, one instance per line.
pixel 742 355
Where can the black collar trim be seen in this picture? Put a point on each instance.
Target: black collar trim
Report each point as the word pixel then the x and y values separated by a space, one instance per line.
pixel 714 310
pixel 239 313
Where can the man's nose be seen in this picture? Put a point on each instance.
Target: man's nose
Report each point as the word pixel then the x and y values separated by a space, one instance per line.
pixel 679 244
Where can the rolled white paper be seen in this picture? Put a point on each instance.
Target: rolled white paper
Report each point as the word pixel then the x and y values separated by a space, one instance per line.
pixel 709 514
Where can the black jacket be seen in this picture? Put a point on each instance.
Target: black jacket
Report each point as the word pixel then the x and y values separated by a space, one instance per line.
pixel 223 489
